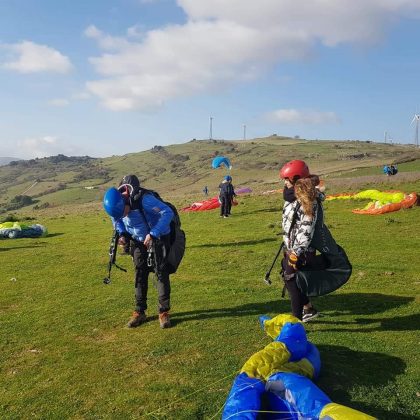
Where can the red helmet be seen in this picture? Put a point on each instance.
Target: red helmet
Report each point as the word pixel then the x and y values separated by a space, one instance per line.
pixel 294 170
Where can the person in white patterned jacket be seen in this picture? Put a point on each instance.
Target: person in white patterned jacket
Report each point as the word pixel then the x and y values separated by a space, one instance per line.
pixel 301 200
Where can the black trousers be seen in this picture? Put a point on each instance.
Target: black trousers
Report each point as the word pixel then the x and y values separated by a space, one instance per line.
pixel 230 200
pixel 142 270
pixel 224 206
pixel 297 298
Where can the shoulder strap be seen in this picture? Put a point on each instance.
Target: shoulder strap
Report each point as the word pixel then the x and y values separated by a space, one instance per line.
pixel 137 202
pixel 294 219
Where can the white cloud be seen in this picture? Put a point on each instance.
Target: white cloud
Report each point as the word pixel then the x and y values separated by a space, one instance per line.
pixel 43 146
pixel 59 102
pixel 106 42
pixel 135 31
pixel 28 57
pixel 294 116
pixel 226 42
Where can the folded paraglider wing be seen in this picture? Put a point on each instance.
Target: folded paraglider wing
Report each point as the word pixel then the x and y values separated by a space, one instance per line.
pixel 13 230
pixel 282 376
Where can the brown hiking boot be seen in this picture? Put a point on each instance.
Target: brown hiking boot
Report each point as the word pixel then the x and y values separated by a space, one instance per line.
pixel 164 320
pixel 137 319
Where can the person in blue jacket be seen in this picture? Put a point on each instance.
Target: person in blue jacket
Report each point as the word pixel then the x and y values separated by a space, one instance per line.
pixel 145 222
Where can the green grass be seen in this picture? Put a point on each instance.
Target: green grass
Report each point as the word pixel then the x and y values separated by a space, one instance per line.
pixel 65 353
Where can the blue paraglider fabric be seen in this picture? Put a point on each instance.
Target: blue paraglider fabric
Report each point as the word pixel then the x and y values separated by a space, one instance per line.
pixel 305 399
pixel 294 336
pixel 219 161
pixel 244 400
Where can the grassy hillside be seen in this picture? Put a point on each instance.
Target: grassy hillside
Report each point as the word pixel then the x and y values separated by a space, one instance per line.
pixel 65 352
pixel 181 171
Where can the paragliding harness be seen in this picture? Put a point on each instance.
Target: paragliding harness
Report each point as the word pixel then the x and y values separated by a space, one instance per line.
pixel 113 256
pixel 327 271
pixel 172 259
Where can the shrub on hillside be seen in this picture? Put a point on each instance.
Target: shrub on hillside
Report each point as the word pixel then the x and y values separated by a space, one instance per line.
pixel 42 206
pixel 22 200
pixel 17 202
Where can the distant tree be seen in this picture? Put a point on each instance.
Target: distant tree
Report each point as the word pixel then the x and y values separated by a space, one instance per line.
pixel 22 200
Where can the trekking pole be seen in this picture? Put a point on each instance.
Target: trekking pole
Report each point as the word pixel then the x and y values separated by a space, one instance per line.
pixel 113 256
pixel 267 274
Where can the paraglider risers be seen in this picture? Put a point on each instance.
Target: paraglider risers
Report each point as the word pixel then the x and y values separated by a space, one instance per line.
pixel 107 280
pixel 267 279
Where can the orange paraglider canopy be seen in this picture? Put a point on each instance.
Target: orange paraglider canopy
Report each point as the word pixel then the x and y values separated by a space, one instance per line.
pixel 384 201
pixel 408 201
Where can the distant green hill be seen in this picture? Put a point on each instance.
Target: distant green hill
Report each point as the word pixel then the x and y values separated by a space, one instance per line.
pixel 183 170
pixel 6 160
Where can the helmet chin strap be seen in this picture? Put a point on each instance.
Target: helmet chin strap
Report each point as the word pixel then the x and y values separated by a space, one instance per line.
pixel 126 190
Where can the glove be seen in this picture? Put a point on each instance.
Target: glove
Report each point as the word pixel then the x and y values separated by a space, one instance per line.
pixel 292 260
pixel 290 266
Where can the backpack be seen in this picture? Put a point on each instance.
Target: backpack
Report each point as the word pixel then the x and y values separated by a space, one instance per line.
pixel 330 270
pixel 177 237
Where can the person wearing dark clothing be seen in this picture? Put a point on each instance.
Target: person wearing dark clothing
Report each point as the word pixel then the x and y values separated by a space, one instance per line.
pixel 231 194
pixel 143 266
pixel 226 195
pixel 394 169
pixel 146 225
pixel 206 190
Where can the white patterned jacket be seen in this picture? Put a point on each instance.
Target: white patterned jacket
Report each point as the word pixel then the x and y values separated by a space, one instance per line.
pixel 298 237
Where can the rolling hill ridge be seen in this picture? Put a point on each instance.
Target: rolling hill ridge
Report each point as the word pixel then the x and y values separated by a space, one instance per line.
pixel 182 170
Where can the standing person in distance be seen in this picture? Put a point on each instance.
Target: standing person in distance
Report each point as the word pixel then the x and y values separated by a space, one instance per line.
pixel 231 193
pixel 225 189
pixel 147 226
pixel 299 220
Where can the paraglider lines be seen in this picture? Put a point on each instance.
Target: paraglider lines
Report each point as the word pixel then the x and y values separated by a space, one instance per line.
pixel 192 393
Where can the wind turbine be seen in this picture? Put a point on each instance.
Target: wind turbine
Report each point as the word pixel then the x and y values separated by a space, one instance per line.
pixel 416 120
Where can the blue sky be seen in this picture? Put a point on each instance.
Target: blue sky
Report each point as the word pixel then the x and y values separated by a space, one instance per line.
pixel 103 77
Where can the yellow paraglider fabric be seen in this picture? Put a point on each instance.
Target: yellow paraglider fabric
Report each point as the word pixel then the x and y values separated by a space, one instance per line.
pixel 275 356
pixel 380 196
pixel 335 411
pixel 384 201
pixel 264 363
pixel 13 225
pixel 301 367
pixel 274 325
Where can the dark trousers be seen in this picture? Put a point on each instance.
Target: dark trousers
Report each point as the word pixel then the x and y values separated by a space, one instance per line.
pixel 230 200
pixel 297 298
pixel 142 270
pixel 224 206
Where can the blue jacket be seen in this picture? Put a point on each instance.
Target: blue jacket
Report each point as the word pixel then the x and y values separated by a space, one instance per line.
pixel 158 217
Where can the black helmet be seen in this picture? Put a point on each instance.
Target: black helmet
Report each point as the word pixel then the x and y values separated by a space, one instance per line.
pixel 131 180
